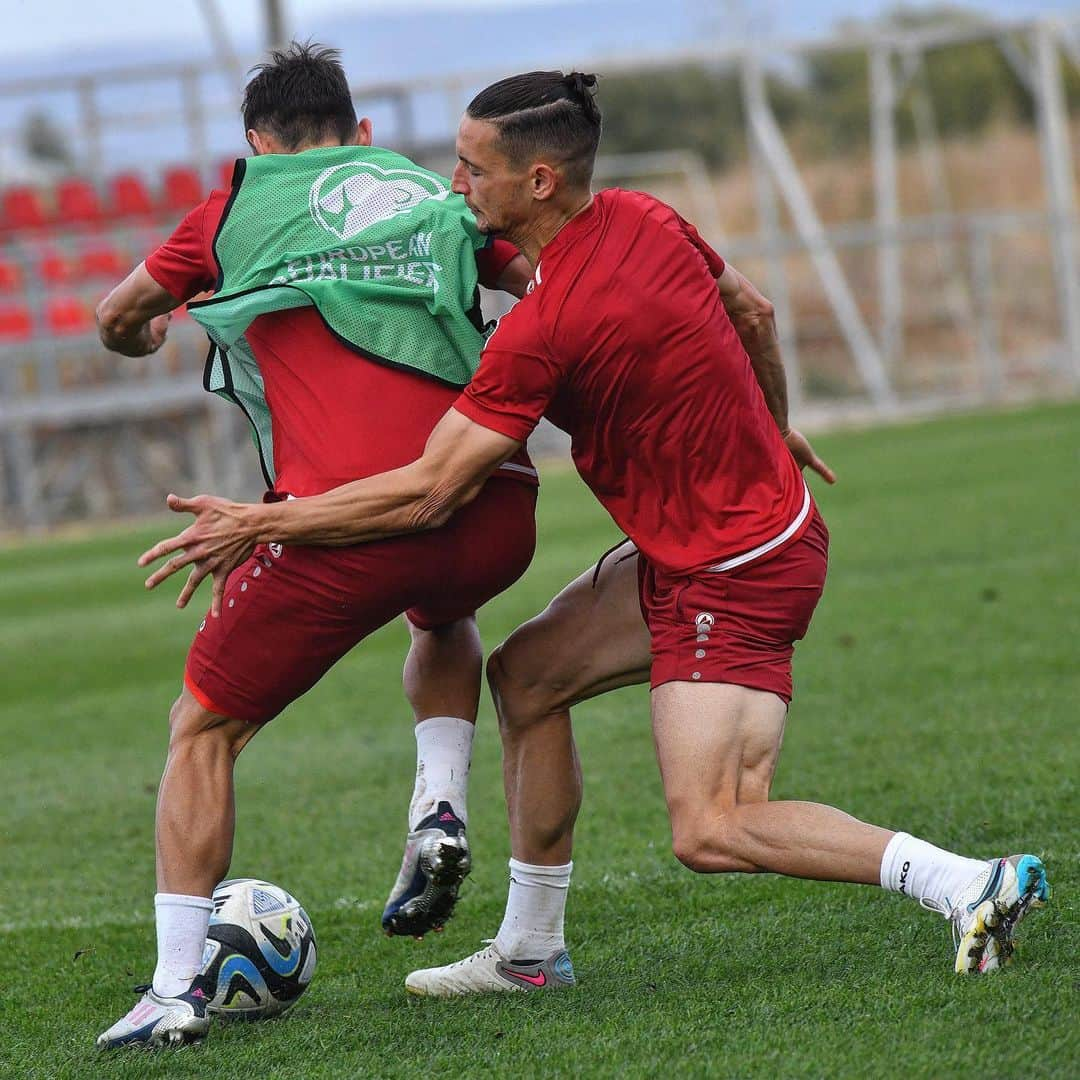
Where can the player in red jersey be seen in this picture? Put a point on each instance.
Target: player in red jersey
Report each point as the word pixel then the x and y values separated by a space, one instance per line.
pixel 290 613
pixel 663 365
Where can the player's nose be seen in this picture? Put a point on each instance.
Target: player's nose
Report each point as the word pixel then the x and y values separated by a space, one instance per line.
pixel 458 184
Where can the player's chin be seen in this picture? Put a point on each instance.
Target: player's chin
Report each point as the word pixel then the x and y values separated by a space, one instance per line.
pixel 483 223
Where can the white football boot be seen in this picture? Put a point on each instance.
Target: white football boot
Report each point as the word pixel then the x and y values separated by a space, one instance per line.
pixel 489 972
pixel 988 911
pixel 162 1021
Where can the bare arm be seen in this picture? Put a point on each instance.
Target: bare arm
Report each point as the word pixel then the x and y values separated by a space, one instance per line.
pixel 460 455
pixel 134 317
pixel 754 320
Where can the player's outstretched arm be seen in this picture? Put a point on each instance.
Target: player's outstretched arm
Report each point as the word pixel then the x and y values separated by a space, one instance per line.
pixel 134 318
pixel 460 455
pixel 754 320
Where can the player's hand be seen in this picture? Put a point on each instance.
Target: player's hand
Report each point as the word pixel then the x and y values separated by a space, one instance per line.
pixel 158 328
pixel 214 544
pixel 803 453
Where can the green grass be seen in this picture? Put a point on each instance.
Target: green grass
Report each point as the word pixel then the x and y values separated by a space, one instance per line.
pixel 936 692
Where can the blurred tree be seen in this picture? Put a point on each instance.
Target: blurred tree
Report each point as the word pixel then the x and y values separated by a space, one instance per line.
pixel 824 105
pixel 689 107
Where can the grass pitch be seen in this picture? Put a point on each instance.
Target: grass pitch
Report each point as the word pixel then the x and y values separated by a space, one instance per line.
pixel 936 693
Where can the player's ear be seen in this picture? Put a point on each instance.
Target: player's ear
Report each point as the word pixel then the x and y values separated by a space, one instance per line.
pixel 258 142
pixel 543 181
pixel 363 132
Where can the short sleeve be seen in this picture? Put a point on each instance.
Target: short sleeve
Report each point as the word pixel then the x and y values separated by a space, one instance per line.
pixel 715 263
pixel 183 266
pixel 516 380
pixel 492 260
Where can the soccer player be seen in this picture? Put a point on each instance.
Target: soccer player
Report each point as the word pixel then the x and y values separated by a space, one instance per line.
pixel 346 321
pixel 662 363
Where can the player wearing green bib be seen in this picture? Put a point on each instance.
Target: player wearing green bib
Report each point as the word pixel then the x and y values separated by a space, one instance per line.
pixel 344 322
pixel 378 246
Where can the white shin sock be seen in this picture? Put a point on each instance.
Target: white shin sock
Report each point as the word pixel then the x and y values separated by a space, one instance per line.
pixel 182 922
pixel 532 928
pixel 925 872
pixel 443 751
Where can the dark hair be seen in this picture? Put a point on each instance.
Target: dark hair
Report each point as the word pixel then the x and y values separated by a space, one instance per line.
pixel 545 112
pixel 300 95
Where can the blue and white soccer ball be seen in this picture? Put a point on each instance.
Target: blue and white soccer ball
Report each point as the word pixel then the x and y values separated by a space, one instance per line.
pixel 260 950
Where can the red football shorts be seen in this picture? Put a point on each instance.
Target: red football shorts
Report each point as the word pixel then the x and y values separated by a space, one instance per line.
pixel 290 613
pixel 739 626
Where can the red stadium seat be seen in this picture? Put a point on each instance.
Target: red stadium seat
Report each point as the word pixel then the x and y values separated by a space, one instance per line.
pixel 68 315
pixel 54 267
pixel 103 262
pixel 10 276
pixel 23 208
pixel 181 189
pixel 16 323
pixel 129 197
pixel 77 202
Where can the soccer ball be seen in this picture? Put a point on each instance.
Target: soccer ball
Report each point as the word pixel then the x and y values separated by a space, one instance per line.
pixel 260 950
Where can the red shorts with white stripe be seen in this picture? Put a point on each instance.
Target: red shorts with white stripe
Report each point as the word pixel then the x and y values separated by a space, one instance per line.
pixel 736 626
pixel 290 613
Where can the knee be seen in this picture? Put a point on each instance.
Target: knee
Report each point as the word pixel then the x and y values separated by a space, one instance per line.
pixel 706 844
pixel 525 688
pixel 194 729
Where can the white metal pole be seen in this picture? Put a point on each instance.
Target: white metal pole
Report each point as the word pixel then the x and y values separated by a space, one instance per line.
pixel 887 202
pixel 770 140
pixel 1060 191
pixel 769 230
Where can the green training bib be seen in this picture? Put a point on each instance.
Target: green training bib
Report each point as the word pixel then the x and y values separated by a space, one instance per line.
pixel 378 245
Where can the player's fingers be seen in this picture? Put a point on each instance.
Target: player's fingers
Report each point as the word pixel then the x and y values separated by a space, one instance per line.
pixel 192 583
pixel 823 470
pixel 180 505
pixel 167 569
pixel 162 547
pixel 189 586
pixel 217 599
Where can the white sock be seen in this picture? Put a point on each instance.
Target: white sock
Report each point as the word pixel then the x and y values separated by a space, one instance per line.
pixel 181 937
pixel 443 751
pixel 925 872
pixel 532 928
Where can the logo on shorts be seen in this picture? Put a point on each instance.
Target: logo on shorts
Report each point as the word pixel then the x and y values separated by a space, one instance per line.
pixel 275 550
pixel 347 199
pixel 705 622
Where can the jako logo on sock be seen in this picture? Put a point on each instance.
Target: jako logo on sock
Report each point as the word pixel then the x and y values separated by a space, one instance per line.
pixel 903 876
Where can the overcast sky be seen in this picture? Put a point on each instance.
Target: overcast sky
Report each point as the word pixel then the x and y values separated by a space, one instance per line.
pixel 31 26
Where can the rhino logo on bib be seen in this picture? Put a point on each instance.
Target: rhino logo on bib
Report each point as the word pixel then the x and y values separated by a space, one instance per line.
pixel 347 199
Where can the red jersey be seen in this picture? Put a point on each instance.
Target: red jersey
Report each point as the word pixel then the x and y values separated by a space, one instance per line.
pixel 624 343
pixel 336 416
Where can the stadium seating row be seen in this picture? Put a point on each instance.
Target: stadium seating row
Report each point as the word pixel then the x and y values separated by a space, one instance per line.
pixel 53 266
pixel 60 250
pixel 76 201
pixel 61 316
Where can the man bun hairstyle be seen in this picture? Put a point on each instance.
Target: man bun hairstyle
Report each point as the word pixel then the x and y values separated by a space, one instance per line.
pixel 301 95
pixel 545 113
